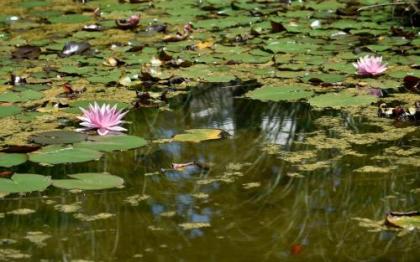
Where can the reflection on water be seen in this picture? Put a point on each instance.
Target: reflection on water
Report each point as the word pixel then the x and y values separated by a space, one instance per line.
pixel 244 208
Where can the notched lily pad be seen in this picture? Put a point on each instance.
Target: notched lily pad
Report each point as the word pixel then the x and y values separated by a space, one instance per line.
pixel 277 93
pixel 198 135
pixel 89 181
pixel 112 143
pixel 23 96
pixel 22 183
pixel 57 137
pixel 342 99
pixel 9 111
pixel 57 154
pixel 9 160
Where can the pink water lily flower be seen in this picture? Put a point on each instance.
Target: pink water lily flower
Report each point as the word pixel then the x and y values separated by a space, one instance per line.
pixel 105 119
pixel 370 66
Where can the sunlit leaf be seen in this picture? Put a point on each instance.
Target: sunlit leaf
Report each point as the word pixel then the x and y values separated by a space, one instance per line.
pixel 341 99
pixel 89 181
pixel 9 111
pixel 278 93
pixel 198 135
pixel 56 154
pixel 58 137
pixel 20 96
pixel 10 159
pixel 22 183
pixel 112 143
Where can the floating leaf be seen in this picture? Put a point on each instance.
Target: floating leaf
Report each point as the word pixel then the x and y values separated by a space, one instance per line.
pixel 20 96
pixel 111 143
pixel 276 93
pixel 9 160
pixel 341 99
pixel 22 183
pixel 9 111
pixel 70 19
pixel 324 78
pixel 56 154
pixel 198 135
pixel 289 46
pixel 58 137
pixel 89 181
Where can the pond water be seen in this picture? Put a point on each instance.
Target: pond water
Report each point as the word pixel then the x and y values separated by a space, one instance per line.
pixel 247 206
pixel 294 164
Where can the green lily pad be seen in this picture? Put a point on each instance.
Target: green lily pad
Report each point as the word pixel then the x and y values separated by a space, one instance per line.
pixel 70 19
pixel 89 181
pixel 23 96
pixel 112 143
pixel 289 46
pixel 324 78
pixel 58 137
pixel 276 93
pixel 341 99
pixel 22 183
pixel 198 135
pixel 57 154
pixel 9 111
pixel 9 160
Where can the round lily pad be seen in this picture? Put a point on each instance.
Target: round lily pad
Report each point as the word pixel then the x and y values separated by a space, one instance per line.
pixel 341 99
pixel 198 135
pixel 277 93
pixel 9 160
pixel 89 181
pixel 58 137
pixel 57 154
pixel 21 183
pixel 111 143
pixel 9 111
pixel 20 96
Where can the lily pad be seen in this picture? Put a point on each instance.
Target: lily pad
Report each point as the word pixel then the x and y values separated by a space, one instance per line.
pixel 9 160
pixel 58 137
pixel 20 96
pixel 289 46
pixel 9 111
pixel 22 183
pixel 341 99
pixel 276 93
pixel 89 181
pixel 111 143
pixel 57 154
pixel 198 135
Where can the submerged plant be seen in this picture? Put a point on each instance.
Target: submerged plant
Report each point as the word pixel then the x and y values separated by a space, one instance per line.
pixel 105 119
pixel 370 66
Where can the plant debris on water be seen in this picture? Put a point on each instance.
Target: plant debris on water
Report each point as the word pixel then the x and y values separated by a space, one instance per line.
pixel 136 128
